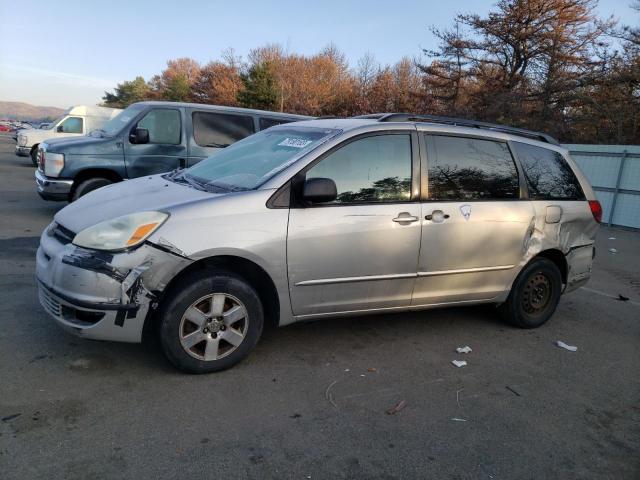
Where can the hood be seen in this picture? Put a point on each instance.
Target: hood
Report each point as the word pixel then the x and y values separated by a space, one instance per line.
pixel 35 135
pixel 130 196
pixel 84 145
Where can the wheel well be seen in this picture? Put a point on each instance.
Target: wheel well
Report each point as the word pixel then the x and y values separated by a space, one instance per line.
pixel 94 173
pixel 249 271
pixel 34 147
pixel 557 257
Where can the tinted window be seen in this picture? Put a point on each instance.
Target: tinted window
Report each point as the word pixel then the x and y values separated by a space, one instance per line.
pixel 72 125
pixel 373 169
pixel 548 174
pixel 163 125
pixel 470 169
pixel 220 129
pixel 272 122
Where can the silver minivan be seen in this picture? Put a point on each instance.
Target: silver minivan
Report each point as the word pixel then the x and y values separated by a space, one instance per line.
pixel 323 218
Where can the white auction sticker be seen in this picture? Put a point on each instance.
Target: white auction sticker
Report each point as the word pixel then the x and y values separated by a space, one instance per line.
pixel 294 142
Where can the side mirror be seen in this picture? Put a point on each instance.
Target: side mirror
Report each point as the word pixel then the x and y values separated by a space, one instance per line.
pixel 139 136
pixel 319 190
pixel 60 129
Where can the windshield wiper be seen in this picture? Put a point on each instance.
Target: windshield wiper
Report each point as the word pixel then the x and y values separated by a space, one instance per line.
pixel 217 145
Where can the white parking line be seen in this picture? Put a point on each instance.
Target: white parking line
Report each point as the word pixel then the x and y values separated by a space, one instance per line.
pixel 604 294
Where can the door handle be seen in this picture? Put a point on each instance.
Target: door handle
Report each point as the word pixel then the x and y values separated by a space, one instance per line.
pixel 437 216
pixel 405 217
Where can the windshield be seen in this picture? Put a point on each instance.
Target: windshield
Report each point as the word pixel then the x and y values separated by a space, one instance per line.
pixel 249 163
pixel 117 123
pixel 56 121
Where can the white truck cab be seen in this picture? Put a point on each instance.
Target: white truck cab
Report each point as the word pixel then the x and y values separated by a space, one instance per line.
pixel 78 120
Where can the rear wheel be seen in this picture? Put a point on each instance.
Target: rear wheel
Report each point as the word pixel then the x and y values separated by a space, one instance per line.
pixel 89 185
pixel 210 322
pixel 535 294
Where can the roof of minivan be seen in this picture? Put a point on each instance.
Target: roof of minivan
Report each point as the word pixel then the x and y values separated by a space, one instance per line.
pixel 223 108
pixel 346 124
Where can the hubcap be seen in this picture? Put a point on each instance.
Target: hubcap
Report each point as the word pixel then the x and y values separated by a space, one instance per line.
pixel 213 326
pixel 537 294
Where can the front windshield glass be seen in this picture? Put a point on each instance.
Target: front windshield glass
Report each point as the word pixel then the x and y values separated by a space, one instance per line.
pixel 247 164
pixel 117 123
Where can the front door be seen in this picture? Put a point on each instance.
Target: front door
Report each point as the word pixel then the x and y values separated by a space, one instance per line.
pixel 359 252
pixel 166 149
pixel 474 225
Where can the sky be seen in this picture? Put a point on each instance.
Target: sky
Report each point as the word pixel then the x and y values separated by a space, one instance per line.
pixel 68 52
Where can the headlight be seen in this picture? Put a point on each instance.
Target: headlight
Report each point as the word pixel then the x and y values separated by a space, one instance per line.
pixel 53 163
pixel 122 232
pixel 22 140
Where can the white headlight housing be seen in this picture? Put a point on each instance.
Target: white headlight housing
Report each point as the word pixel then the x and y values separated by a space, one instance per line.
pixel 53 163
pixel 122 232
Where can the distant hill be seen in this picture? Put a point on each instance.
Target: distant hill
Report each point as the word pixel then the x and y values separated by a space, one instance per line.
pixel 24 111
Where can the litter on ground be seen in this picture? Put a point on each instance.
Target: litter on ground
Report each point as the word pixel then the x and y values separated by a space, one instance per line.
pixel 455 419
pixel 400 405
pixel 465 349
pixel 613 250
pixel 622 298
pixel 459 363
pixel 571 348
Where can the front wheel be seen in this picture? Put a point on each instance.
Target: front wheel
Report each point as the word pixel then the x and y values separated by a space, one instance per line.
pixel 534 295
pixel 210 321
pixel 89 185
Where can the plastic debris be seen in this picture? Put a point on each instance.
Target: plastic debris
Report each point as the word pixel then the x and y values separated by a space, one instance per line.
pixel 456 419
pixel 400 405
pixel 347 369
pixel 612 238
pixel 465 349
pixel 571 348
pixel 613 250
pixel 459 363
pixel 622 298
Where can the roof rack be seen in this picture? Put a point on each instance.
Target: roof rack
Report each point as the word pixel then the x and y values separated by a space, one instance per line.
pixel 461 122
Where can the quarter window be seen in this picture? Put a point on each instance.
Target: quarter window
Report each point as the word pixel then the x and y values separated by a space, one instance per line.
pixel 463 168
pixel 72 125
pixel 164 126
pixel 220 129
pixel 372 169
pixel 548 175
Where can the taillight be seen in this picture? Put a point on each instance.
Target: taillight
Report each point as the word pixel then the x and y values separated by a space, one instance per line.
pixel 596 210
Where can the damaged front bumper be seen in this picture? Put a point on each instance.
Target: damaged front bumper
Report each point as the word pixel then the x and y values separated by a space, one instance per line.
pixel 102 295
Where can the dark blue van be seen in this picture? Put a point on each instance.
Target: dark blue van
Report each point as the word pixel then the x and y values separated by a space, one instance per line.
pixel 144 139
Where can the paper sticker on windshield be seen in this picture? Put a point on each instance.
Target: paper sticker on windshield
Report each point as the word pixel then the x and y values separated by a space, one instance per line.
pixel 294 142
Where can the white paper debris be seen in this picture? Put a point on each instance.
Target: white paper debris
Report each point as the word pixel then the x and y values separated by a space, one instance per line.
pixel 465 349
pixel 612 238
pixel 459 363
pixel 613 250
pixel 455 419
pixel 571 348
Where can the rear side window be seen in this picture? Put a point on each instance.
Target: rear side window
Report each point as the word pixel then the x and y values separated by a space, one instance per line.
pixel 272 122
pixel 72 125
pixel 470 169
pixel 548 175
pixel 220 129
pixel 369 170
pixel 163 124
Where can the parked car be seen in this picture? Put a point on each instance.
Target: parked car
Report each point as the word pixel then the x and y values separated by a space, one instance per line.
pixel 320 219
pixel 76 121
pixel 5 128
pixel 44 126
pixel 145 139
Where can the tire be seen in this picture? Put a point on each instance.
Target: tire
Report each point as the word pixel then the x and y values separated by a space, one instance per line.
pixel 189 333
pixel 34 156
pixel 534 295
pixel 89 185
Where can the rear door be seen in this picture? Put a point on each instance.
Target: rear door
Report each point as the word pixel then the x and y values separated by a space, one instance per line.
pixel 167 147
pixel 212 131
pixel 474 222
pixel 359 252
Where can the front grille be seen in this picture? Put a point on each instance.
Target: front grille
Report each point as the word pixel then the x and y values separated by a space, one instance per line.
pixel 62 234
pixel 50 304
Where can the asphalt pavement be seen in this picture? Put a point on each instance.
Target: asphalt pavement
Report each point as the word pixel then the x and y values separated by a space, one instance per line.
pixel 311 401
